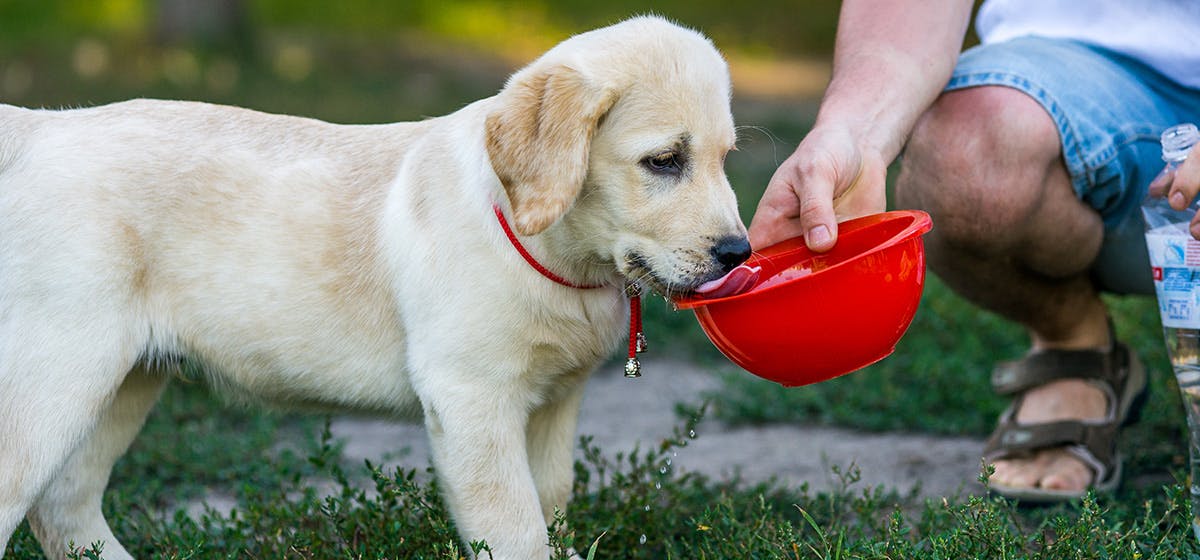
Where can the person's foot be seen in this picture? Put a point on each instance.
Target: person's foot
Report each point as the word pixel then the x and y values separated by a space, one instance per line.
pixel 1055 468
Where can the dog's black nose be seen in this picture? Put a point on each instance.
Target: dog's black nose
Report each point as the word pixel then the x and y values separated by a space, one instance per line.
pixel 731 251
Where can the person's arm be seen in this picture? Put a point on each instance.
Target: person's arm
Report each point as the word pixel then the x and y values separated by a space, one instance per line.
pixel 891 60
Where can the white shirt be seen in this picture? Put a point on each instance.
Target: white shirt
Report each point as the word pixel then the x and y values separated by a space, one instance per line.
pixel 1163 34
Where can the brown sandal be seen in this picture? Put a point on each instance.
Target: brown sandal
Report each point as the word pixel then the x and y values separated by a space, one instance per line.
pixel 1117 372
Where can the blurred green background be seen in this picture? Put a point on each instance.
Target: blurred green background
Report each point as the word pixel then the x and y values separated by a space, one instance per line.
pixel 369 61
pixel 362 60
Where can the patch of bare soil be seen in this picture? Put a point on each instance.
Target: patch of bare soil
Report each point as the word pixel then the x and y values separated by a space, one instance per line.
pixel 620 413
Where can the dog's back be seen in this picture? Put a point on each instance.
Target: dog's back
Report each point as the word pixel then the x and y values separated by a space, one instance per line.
pixel 211 243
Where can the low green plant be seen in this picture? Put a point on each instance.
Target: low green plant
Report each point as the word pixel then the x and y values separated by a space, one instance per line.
pixel 634 505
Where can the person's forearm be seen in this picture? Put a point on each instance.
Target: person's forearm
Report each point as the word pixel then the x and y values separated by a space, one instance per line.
pixel 891 60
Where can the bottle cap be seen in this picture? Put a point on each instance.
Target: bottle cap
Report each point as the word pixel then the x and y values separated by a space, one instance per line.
pixel 1178 140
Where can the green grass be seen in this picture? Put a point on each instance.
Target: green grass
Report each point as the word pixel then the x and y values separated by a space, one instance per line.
pixel 936 382
pixel 627 506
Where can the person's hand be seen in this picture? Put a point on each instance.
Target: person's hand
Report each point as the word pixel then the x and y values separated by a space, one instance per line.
pixel 1180 186
pixel 827 179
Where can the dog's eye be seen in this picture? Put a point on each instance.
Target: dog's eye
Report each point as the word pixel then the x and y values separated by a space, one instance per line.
pixel 666 163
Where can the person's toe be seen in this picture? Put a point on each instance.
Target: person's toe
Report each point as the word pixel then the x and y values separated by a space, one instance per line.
pixel 1016 473
pixel 1066 472
pixel 1053 469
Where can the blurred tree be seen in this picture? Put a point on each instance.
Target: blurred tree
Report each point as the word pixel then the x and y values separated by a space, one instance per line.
pixel 222 24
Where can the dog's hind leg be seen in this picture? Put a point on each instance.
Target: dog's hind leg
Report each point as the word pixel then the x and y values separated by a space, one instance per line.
pixel 68 510
pixel 61 363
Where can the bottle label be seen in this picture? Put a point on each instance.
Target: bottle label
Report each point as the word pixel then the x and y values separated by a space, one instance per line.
pixel 1175 262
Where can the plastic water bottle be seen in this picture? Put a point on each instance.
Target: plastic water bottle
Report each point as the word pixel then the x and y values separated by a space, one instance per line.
pixel 1175 262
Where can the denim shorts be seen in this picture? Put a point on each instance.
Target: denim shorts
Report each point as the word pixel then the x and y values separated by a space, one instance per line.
pixel 1110 111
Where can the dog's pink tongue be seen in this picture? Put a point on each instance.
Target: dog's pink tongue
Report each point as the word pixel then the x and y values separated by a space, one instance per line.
pixel 737 281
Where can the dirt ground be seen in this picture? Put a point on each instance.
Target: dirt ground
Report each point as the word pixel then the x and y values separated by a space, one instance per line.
pixel 619 413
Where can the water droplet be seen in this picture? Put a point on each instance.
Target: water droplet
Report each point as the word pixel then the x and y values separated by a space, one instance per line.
pixel 663 470
pixel 668 461
pixel 657 486
pixel 647 507
pixel 642 539
pixel 692 434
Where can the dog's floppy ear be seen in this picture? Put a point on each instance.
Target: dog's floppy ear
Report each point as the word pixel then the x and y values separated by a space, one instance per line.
pixel 538 141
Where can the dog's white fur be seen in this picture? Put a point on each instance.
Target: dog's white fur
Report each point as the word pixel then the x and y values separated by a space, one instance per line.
pixel 354 267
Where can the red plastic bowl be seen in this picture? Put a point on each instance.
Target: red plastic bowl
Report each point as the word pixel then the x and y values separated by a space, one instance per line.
pixel 814 316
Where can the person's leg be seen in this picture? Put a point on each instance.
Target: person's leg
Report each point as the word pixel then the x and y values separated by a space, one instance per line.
pixel 1012 236
pixel 1033 164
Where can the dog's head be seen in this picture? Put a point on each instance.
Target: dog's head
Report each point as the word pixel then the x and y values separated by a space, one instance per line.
pixel 616 140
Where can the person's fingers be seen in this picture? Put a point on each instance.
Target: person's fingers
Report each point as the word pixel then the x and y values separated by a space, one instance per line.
pixel 774 221
pixel 1161 184
pixel 817 218
pixel 778 214
pixel 1194 227
pixel 1186 182
pixel 798 201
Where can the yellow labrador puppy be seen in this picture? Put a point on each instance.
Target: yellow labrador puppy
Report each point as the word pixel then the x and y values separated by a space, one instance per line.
pixel 363 268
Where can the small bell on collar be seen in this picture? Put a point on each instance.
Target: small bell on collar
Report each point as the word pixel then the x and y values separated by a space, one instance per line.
pixel 633 368
pixel 637 340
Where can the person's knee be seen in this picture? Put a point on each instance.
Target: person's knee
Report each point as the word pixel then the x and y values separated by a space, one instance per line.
pixel 978 161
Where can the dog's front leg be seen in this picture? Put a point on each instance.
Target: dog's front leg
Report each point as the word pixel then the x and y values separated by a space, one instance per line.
pixel 478 445
pixel 551 444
